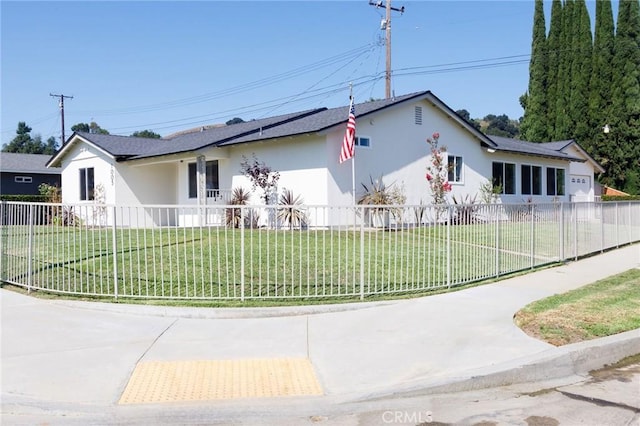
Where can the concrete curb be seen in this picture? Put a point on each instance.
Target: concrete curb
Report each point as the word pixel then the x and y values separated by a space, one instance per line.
pixel 220 312
pixel 563 362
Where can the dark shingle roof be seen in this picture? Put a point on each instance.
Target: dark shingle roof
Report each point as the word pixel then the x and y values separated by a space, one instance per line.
pixel 321 120
pixel 25 163
pixel 298 123
pixel 548 149
pixel 130 148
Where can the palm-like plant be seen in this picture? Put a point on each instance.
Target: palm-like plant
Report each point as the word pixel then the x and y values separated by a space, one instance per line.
pixel 377 193
pixel 290 210
pixel 239 197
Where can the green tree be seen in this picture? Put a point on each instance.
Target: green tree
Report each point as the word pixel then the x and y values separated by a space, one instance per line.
pixel 632 182
pixel 581 56
pixel 234 120
pixel 563 90
pixel 534 122
pixel 554 50
pixel 24 143
pixel 500 125
pixel 463 113
pixel 51 146
pixel 92 127
pixel 623 149
pixel 600 100
pixel 146 134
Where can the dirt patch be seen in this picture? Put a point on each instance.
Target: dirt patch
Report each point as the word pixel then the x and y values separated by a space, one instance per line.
pixel 621 371
pixel 552 327
pixel 541 421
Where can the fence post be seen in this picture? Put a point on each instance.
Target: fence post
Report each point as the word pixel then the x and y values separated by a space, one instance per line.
pixel 561 231
pixel 497 214
pixel 533 236
pixel 3 239
pixel 574 209
pixel 602 227
pixel 30 251
pixel 361 252
pixel 242 257
pixel 617 228
pixel 448 246
pixel 114 249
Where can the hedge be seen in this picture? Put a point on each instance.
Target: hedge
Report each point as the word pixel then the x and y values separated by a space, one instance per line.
pixel 621 198
pixel 24 198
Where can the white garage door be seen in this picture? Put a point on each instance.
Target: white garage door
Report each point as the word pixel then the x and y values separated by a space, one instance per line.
pixel 580 187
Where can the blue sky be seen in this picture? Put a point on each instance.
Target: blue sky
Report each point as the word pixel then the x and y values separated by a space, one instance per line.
pixel 169 66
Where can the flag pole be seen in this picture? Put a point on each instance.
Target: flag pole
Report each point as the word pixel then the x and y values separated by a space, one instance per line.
pixel 353 157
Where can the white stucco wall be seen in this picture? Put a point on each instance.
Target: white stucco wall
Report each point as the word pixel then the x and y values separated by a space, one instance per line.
pixel 84 156
pixel 400 154
pixel 300 161
pixel 146 183
pixel 584 189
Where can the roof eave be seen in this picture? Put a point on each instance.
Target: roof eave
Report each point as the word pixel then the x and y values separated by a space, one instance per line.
pixel 590 159
pixel 551 156
pixel 56 159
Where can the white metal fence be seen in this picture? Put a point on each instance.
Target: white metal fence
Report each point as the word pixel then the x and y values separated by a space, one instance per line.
pixel 277 252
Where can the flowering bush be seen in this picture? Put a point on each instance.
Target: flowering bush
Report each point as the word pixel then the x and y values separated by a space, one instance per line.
pixel 437 171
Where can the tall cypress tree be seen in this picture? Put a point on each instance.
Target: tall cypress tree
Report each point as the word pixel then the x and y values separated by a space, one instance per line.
pixel 601 78
pixel 624 144
pixel 581 51
pixel 533 126
pixel 563 93
pixel 554 48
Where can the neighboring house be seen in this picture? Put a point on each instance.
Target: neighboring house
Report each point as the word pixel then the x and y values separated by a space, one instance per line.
pixel 22 174
pixel 203 167
pixel 614 192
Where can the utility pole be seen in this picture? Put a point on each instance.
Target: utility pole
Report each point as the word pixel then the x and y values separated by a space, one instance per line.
pixel 61 103
pixel 386 25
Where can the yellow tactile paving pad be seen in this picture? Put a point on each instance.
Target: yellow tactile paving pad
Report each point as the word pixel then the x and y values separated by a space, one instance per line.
pixel 175 381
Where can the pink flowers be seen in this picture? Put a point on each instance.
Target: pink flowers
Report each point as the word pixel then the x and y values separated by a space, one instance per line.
pixel 437 171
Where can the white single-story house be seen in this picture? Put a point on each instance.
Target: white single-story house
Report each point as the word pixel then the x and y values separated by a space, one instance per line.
pixel 201 168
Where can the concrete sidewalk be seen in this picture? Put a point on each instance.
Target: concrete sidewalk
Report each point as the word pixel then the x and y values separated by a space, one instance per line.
pixel 77 357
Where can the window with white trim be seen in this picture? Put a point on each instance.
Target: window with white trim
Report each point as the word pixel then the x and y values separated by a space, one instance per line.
pixel 363 141
pixel 504 175
pixel 555 181
pixel 23 179
pixel 86 184
pixel 454 166
pixel 212 180
pixel 531 183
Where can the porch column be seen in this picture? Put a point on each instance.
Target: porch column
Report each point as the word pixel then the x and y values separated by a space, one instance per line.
pixel 201 174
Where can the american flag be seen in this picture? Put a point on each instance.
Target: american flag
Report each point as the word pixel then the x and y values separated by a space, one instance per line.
pixel 348 141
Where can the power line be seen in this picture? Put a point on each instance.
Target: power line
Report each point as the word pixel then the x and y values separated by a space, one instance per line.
pixel 324 92
pixel 348 55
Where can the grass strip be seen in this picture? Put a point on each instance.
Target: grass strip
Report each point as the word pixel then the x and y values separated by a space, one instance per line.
pixel 606 307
